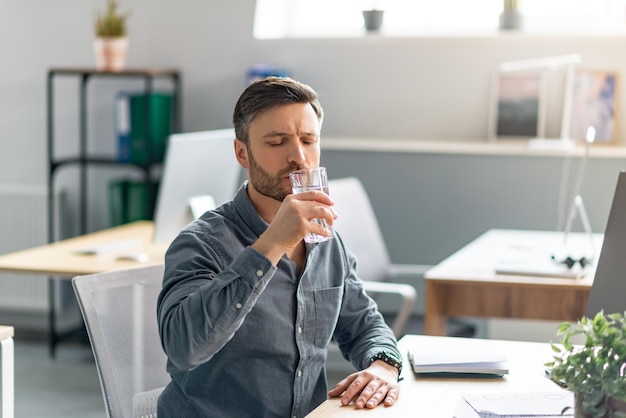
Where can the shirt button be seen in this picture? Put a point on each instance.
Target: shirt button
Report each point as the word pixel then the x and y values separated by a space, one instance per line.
pixel 259 273
pixel 299 330
pixel 238 306
pixel 299 373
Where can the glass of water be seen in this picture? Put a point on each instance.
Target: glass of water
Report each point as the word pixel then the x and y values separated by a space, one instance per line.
pixel 312 179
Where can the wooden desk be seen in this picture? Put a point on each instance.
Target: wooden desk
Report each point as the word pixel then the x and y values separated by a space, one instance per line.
pixel 466 283
pixel 60 258
pixel 8 374
pixel 438 397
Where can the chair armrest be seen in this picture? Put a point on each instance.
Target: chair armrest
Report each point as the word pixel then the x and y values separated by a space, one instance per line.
pixel 405 291
pixel 416 270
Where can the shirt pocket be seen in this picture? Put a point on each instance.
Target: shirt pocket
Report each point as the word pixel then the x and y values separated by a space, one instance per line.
pixel 327 302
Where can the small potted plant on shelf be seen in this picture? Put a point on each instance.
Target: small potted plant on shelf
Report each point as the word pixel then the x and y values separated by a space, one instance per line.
pixel 373 18
pixel 111 43
pixel 595 371
pixel 510 18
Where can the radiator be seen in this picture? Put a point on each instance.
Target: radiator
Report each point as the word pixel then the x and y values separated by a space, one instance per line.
pixel 23 224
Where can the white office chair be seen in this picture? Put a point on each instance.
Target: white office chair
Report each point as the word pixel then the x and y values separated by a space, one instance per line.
pixel 119 309
pixel 358 228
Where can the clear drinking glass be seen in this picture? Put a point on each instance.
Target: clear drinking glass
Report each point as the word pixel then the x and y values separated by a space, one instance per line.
pixel 312 179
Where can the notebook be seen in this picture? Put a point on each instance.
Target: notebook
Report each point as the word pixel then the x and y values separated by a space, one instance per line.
pixel 449 361
pixel 609 283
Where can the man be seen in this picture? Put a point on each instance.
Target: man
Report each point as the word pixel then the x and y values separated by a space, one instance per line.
pixel 247 309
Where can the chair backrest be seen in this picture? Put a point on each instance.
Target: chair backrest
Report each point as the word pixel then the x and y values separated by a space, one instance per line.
pixel 358 227
pixel 119 310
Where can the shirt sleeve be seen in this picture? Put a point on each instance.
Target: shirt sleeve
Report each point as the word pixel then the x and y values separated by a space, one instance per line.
pixel 206 297
pixel 361 329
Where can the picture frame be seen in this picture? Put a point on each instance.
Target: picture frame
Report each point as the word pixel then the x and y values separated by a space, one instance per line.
pixel 517 106
pixel 594 103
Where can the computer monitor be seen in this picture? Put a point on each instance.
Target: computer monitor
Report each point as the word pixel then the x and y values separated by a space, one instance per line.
pixel 197 164
pixel 608 291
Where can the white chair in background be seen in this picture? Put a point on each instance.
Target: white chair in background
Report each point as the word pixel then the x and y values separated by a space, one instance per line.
pixel 358 228
pixel 119 310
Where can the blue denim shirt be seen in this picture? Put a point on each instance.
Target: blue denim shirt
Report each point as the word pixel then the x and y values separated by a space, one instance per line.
pixel 245 338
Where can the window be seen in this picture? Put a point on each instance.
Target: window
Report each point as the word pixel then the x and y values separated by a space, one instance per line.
pixel 337 18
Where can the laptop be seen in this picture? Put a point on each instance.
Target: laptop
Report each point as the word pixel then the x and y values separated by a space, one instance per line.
pixel 608 291
pixel 200 172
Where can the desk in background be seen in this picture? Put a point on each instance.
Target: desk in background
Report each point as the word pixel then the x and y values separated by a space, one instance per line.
pixel 61 260
pixel 8 374
pixel 437 397
pixel 466 283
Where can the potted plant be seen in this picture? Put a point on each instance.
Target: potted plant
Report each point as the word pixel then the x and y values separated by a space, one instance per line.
pixel 111 43
pixel 373 18
pixel 595 371
pixel 510 18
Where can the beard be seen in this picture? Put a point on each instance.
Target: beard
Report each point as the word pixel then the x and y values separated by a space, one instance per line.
pixel 267 184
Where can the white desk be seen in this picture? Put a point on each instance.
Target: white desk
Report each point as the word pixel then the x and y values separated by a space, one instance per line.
pixel 466 283
pixel 437 397
pixel 8 374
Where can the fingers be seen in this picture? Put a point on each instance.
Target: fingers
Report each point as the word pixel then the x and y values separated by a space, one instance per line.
pixel 305 211
pixel 365 393
pixel 391 397
pixel 384 394
pixel 370 387
pixel 373 394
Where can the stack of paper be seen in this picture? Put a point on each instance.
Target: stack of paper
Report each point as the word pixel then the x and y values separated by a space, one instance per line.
pixel 535 404
pixel 451 361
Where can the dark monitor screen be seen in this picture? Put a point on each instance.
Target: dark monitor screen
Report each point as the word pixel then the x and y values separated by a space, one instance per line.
pixel 608 292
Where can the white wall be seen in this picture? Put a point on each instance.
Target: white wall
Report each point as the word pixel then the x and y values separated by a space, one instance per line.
pixel 422 88
pixel 436 88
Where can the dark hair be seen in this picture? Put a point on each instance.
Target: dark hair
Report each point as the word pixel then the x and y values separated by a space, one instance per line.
pixel 266 94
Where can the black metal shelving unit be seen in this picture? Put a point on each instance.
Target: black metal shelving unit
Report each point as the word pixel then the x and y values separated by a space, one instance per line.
pixel 83 158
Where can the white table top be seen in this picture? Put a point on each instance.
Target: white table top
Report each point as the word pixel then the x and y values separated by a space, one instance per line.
pixel 438 397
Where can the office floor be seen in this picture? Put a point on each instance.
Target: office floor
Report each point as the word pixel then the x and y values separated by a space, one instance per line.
pixel 64 387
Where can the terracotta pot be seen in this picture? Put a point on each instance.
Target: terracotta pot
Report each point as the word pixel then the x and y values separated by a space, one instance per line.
pixel 111 53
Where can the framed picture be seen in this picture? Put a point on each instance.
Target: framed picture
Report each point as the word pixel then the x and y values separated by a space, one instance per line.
pixel 594 103
pixel 517 106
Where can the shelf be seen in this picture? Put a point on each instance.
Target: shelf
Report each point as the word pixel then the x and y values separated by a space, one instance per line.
pixel 130 72
pixel 99 161
pixel 476 147
pixel 83 159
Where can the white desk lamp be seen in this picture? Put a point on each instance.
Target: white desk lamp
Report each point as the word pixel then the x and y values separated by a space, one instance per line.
pixel 577 205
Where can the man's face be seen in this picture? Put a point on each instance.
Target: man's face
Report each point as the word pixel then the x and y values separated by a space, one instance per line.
pixel 282 140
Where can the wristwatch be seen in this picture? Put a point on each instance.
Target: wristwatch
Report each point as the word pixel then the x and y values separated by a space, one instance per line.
pixel 389 358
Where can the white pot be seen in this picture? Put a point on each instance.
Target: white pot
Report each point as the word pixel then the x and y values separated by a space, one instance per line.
pixel 510 19
pixel 111 53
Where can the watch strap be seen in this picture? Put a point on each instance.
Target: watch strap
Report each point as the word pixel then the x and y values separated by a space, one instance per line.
pixel 390 359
